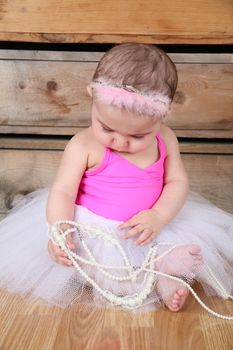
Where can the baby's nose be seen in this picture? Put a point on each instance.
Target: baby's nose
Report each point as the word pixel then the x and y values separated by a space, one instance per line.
pixel 121 143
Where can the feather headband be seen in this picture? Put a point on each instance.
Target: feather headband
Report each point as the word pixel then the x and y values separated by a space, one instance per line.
pixel 125 96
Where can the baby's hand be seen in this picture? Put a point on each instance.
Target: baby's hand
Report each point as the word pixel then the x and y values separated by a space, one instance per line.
pixel 147 223
pixel 57 254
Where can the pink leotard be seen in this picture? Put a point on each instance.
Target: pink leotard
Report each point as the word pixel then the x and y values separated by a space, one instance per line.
pixel 117 189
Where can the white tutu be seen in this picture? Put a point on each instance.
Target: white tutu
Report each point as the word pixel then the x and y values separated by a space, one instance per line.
pixel 27 269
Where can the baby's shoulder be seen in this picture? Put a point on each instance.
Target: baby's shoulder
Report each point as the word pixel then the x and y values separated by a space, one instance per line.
pixel 82 140
pixel 85 145
pixel 167 134
pixel 169 138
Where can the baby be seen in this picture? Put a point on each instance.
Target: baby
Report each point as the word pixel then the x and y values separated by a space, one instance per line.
pixel 141 237
pixel 126 166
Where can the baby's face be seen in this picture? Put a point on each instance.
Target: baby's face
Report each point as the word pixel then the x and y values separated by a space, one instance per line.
pixel 121 130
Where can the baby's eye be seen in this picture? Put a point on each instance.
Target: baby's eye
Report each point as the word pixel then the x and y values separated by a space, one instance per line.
pixel 106 129
pixel 138 136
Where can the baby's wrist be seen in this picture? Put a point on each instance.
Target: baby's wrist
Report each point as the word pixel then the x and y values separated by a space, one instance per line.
pixel 62 224
pixel 161 219
pixel 58 227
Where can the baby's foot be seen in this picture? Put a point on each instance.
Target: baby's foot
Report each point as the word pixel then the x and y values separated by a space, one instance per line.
pixel 177 300
pixel 183 261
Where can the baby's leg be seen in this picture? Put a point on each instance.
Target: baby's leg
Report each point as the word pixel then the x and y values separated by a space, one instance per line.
pixel 184 261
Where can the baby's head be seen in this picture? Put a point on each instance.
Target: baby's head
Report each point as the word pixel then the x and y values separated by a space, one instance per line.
pixel 136 77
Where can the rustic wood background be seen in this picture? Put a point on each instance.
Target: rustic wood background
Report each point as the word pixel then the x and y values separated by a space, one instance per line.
pixel 151 21
pixel 49 92
pixel 43 101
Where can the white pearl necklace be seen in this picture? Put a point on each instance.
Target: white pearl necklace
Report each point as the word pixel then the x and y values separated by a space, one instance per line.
pixel 136 300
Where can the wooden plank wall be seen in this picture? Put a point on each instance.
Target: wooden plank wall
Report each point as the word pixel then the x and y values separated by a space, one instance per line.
pixel 49 94
pixel 151 21
pixel 43 101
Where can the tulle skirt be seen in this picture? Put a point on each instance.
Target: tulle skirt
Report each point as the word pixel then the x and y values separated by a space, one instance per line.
pixel 111 270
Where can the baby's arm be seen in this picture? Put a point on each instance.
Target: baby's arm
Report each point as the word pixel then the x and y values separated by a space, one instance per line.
pixel 150 222
pixel 176 182
pixel 61 200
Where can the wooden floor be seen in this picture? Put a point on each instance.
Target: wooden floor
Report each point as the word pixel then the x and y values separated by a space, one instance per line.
pixel 25 326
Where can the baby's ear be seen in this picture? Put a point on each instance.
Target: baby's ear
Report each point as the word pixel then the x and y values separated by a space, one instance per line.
pixel 89 91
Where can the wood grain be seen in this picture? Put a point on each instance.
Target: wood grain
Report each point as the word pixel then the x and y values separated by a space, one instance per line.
pixel 24 171
pixel 32 327
pixel 50 95
pixel 87 38
pixel 90 21
pixel 95 56
pixel 211 176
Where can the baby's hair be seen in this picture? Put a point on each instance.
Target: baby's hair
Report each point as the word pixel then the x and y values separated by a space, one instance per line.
pixel 144 67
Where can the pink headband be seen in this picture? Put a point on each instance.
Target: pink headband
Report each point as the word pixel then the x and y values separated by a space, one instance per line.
pixel 125 96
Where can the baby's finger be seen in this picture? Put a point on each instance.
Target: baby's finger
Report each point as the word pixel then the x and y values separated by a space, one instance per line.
pixel 55 250
pixel 134 231
pixel 144 238
pixel 58 252
pixel 64 261
pixel 70 242
pixel 126 224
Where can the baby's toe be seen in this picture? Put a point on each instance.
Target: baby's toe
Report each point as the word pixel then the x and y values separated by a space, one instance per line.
pixel 194 249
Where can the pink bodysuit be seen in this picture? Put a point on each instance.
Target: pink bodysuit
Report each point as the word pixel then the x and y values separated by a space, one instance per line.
pixel 117 189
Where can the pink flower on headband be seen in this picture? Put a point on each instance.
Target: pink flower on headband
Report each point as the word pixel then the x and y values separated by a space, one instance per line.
pixel 155 105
